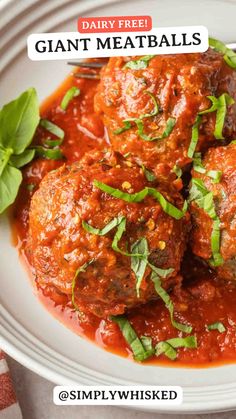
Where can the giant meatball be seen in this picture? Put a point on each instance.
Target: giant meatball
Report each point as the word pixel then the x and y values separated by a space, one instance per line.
pixel 220 159
pixel 180 83
pixel 59 245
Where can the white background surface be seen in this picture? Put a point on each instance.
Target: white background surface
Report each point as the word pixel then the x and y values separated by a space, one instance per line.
pixel 35 397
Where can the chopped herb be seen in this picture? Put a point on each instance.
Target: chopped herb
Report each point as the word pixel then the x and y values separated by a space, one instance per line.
pixel 147 343
pixel 69 95
pixel 167 131
pixel 140 63
pixel 138 265
pixel 229 54
pixel 127 125
pixel 140 351
pixel 150 176
pixel 177 170
pixel 103 231
pixel 48 153
pixel 74 281
pixel 220 106
pixel 168 303
pixel 53 143
pixel 139 196
pixel 121 227
pixel 30 186
pixel 205 200
pixel 54 129
pixel 168 347
pixel 215 175
pixel 194 138
pixel 217 326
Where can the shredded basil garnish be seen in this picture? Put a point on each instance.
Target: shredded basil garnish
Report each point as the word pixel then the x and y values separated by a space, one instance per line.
pixel 194 138
pixel 167 207
pixel 103 231
pixel 138 265
pixel 204 199
pixel 140 63
pixel 220 106
pixel 168 303
pixel 74 281
pixel 168 347
pixel 48 153
pixel 217 326
pixel 69 95
pixel 177 170
pixel 229 54
pixel 127 125
pixel 215 175
pixel 54 129
pixel 150 176
pixel 167 131
pixel 141 349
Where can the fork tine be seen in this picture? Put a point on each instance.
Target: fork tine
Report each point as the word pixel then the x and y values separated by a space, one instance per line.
pixel 87 76
pixel 86 65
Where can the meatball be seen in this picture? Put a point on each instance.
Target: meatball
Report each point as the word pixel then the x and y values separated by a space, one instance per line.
pixel 221 161
pixel 63 252
pixel 180 84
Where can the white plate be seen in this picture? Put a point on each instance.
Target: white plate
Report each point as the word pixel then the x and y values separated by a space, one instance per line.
pixel 28 332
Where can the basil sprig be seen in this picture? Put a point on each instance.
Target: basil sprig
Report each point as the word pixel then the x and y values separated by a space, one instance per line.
pixel 220 106
pixel 217 326
pixel 229 54
pixel 18 122
pixel 75 279
pixel 168 347
pixel 69 95
pixel 205 200
pixel 167 207
pixel 140 63
pixel 141 348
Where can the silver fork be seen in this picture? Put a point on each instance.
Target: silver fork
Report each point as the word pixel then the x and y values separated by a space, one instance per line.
pixel 98 65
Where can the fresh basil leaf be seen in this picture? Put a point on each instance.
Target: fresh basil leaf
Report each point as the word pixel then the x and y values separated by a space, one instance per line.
pixel 197 163
pixel 163 273
pixel 18 121
pixel 168 303
pixel 48 153
pixel 140 353
pixel 150 176
pixel 168 347
pixel 138 265
pixel 140 63
pixel 22 159
pixel 229 54
pixel 69 95
pixel 220 106
pixel 103 231
pixel 139 196
pixel 54 129
pixel 217 326
pixel 74 281
pixel 5 155
pixel 10 181
pixel 155 110
pixel 195 136
pixel 177 170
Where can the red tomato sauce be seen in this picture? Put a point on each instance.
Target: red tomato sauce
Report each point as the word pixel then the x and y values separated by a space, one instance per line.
pixel 203 299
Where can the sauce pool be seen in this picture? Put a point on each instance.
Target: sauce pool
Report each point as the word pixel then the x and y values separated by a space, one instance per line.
pixel 203 299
